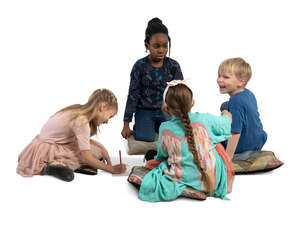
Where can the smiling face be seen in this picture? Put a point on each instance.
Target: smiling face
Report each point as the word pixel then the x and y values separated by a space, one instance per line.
pixel 104 114
pixel 158 47
pixel 229 83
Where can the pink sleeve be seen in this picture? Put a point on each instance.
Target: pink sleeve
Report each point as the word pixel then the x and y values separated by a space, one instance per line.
pixel 81 129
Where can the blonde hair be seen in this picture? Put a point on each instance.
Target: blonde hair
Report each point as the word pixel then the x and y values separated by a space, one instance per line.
pixel 89 109
pixel 238 67
pixel 179 100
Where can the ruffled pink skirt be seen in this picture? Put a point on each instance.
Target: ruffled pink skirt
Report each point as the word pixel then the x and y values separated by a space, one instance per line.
pixel 40 153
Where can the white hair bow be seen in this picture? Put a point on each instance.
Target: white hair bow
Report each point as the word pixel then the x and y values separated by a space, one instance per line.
pixel 172 84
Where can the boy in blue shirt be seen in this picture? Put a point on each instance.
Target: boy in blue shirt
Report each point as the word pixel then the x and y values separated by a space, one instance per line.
pixel 246 128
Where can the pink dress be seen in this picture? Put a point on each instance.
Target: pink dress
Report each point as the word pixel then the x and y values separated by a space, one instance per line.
pixel 59 143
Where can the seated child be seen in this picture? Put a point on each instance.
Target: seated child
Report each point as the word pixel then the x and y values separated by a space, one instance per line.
pixel 149 77
pixel 64 143
pixel 186 151
pixel 246 128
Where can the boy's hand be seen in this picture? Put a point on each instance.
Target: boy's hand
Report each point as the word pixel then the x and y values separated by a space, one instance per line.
pixel 225 112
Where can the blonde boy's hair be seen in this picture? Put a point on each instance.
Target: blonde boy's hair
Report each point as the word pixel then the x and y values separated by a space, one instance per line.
pixel 238 67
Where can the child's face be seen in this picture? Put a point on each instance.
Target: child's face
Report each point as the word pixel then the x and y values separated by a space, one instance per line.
pixel 229 83
pixel 104 114
pixel 158 47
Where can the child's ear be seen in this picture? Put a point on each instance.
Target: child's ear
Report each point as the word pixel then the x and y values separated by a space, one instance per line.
pixel 102 106
pixel 243 82
pixel 147 46
pixel 193 102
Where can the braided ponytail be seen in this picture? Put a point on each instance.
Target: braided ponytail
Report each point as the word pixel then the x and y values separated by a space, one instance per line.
pixel 189 134
pixel 179 102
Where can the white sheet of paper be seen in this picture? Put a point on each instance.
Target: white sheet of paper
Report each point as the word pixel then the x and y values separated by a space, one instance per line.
pixel 130 161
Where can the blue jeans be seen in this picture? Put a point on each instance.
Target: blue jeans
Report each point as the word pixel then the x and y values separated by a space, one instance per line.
pixel 146 123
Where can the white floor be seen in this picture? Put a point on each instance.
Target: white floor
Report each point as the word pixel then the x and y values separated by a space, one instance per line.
pixel 256 199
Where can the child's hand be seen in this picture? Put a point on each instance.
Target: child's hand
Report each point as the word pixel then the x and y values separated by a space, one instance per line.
pixel 225 112
pixel 126 130
pixel 151 164
pixel 117 169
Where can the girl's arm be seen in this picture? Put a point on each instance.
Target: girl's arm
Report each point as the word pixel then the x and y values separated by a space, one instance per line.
pixel 82 133
pixel 104 152
pixel 90 160
pixel 232 143
pixel 133 94
pixel 132 100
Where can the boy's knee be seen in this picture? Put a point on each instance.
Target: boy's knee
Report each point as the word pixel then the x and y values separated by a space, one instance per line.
pixel 224 106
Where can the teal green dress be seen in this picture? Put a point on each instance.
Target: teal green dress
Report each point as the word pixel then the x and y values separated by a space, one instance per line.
pixel 167 181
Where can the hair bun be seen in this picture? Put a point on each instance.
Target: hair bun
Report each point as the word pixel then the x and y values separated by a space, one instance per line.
pixel 154 20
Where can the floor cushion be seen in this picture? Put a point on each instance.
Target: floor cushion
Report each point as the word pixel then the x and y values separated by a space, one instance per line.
pixel 140 147
pixel 255 161
pixel 138 172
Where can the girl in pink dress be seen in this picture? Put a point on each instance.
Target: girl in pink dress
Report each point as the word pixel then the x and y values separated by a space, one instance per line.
pixel 64 143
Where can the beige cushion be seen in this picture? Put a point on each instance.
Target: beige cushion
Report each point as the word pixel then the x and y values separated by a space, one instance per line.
pixel 140 147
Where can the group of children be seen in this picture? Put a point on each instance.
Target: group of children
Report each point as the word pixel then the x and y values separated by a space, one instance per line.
pixel 194 149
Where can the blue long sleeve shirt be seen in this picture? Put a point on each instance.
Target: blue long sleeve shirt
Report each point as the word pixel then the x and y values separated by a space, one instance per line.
pixel 147 84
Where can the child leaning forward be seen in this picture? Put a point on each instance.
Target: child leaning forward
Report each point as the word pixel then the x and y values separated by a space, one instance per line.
pixel 64 143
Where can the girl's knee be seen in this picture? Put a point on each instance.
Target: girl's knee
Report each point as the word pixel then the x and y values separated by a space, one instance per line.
pixel 147 138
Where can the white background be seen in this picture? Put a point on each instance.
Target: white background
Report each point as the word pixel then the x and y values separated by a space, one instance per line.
pixel 55 53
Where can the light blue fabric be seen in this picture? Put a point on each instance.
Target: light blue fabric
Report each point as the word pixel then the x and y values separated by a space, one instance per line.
pixel 159 186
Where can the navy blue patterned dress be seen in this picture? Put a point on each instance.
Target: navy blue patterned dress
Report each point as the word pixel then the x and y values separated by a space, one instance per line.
pixel 147 84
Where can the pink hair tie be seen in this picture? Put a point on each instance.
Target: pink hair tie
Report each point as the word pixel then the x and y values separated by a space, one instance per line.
pixel 172 84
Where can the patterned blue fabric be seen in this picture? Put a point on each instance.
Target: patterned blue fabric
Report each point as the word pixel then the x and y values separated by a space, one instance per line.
pixel 246 121
pixel 147 84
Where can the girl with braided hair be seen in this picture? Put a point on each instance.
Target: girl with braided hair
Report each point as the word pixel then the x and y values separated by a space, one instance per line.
pixel 64 143
pixel 149 78
pixel 187 155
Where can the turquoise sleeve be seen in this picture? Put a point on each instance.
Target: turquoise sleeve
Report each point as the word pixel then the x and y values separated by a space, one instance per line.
pixel 220 128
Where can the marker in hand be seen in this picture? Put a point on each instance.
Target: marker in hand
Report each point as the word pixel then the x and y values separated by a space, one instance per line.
pixel 120 157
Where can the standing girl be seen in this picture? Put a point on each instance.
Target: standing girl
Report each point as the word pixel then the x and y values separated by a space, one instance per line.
pixel 149 78
pixel 187 151
pixel 64 143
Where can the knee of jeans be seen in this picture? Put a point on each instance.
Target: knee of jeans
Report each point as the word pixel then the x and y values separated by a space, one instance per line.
pixel 224 106
pixel 139 137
